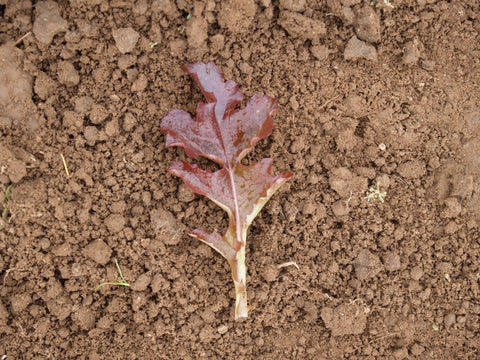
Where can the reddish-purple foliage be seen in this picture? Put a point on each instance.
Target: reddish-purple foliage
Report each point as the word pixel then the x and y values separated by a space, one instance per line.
pixel 225 135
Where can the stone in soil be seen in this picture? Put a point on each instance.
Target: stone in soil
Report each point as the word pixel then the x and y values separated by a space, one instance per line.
pixel 367 24
pixel 357 49
pixel 142 282
pixel 167 228
pixel 115 223
pixel 236 15
pixel 67 74
pixel 411 53
pixel 367 265
pixel 196 31
pixel 16 89
pixel 84 317
pixel 346 319
pixel 392 261
pixel 48 22
pixel 340 208
pixel 98 251
pixel 91 135
pixel 125 39
pixel 301 26
pixel 344 182
pixel 293 5
pixel 413 169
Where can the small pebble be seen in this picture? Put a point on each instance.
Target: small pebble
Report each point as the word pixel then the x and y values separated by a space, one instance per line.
pixel 356 49
pixel 392 262
pixel 416 273
pixel 125 39
pixel 449 320
pixel 142 282
pixel 222 329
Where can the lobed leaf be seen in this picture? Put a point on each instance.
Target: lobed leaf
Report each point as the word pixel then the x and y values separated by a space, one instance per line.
pixel 220 132
pixel 225 134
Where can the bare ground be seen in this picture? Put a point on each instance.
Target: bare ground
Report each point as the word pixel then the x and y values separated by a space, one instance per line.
pixel 366 95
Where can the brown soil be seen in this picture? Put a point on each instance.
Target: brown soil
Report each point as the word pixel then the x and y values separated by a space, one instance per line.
pixel 365 94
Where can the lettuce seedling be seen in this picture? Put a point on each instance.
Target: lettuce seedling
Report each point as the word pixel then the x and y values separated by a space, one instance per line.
pixel 225 135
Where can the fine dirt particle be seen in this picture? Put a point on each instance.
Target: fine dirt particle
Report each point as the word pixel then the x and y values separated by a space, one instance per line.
pixel 98 251
pixel 367 24
pixel 125 39
pixel 346 319
pixel 300 26
pixel 357 49
pixel 48 21
pixel 367 265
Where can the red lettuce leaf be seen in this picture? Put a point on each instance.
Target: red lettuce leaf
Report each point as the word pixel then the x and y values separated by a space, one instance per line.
pixel 225 135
